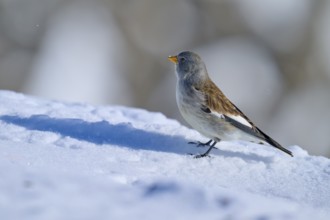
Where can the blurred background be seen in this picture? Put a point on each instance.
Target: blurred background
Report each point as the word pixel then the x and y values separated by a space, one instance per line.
pixel 270 57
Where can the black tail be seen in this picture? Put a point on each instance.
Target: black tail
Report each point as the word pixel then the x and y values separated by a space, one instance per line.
pixel 255 131
pixel 272 142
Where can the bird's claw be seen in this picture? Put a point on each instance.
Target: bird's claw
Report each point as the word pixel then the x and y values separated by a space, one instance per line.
pixel 200 144
pixel 201 156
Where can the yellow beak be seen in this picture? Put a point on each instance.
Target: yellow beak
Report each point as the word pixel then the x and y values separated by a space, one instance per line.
pixel 173 59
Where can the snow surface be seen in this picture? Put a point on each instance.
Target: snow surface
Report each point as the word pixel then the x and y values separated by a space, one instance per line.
pixel 76 161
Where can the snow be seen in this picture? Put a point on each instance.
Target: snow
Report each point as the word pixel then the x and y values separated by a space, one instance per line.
pixel 63 160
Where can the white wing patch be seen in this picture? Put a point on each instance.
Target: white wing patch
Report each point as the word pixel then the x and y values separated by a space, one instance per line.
pixel 217 114
pixel 240 119
pixel 237 118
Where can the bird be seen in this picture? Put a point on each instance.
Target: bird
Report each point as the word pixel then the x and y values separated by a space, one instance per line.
pixel 206 108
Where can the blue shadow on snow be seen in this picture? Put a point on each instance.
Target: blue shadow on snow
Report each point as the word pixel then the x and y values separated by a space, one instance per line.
pixel 122 134
pixel 102 132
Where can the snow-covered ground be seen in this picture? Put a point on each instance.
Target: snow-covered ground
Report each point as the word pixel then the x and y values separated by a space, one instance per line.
pixel 76 161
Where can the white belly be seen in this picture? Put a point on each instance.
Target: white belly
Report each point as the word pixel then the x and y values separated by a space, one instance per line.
pixel 207 124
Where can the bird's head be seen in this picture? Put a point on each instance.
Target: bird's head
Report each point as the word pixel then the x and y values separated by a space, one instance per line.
pixel 189 65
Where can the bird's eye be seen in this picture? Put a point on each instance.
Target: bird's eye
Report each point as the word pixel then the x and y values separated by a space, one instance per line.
pixel 182 59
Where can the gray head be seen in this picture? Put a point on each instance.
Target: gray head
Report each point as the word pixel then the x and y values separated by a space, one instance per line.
pixel 189 66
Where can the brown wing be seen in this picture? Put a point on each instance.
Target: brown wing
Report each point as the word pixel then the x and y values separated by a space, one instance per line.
pixel 216 101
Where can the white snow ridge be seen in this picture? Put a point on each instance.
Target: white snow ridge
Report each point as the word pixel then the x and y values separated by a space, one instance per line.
pixel 73 161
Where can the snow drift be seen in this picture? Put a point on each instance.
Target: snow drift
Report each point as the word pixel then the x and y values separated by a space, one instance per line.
pixel 77 161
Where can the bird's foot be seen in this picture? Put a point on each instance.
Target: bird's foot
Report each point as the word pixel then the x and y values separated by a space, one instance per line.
pixel 208 150
pixel 201 156
pixel 200 144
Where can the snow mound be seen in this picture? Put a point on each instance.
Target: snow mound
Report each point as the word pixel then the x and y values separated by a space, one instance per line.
pixel 76 161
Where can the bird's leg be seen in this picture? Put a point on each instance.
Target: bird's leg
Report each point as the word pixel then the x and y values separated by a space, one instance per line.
pixel 200 144
pixel 207 152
